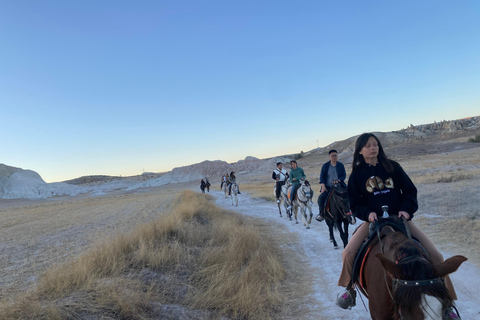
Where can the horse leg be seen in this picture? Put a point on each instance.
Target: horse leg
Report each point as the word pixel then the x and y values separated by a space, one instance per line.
pixel 295 212
pixel 303 212
pixel 311 214
pixel 344 233
pixel 236 200
pixel 332 235
pixel 289 211
pixel 279 210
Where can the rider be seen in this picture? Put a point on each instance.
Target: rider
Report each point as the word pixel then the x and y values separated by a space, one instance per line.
pixel 202 186
pixel 224 180
pixel 231 179
pixel 376 181
pixel 280 175
pixel 332 172
pixel 296 174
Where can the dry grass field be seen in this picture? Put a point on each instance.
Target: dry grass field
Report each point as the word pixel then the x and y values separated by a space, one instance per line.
pixel 196 261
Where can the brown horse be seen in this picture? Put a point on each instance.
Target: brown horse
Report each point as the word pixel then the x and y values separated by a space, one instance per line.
pixel 399 281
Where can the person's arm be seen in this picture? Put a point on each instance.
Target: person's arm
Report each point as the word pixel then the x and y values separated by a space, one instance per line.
pixel 323 186
pixel 342 174
pixel 274 176
pixel 409 193
pixel 357 205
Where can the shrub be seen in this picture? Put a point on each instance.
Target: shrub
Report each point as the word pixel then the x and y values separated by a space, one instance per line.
pixel 476 139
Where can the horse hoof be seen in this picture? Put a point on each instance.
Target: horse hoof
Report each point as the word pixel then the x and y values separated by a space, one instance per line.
pixel 308 227
pixel 336 247
pixel 290 219
pixel 296 222
pixel 331 240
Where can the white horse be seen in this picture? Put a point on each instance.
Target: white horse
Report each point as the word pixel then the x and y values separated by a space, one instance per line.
pixel 303 201
pixel 284 197
pixel 234 194
pixel 225 189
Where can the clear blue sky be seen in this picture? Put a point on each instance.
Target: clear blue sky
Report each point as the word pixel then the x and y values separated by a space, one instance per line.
pixel 122 87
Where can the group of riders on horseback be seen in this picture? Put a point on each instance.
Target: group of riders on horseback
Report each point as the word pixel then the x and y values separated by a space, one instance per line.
pixel 229 180
pixel 381 194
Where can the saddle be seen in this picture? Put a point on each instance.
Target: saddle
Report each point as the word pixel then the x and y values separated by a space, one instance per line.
pixel 338 190
pixel 362 254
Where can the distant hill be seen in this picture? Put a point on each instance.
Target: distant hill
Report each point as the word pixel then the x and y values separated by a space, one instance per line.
pixel 422 139
pixel 433 133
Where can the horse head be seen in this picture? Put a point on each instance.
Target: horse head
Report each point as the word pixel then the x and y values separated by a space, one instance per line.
pixel 414 276
pixel 340 199
pixel 305 191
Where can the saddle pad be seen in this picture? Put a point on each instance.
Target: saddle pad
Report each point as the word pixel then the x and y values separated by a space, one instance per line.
pixel 288 194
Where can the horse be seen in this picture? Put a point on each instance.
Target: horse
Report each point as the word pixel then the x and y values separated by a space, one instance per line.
pixel 234 194
pixel 207 186
pixel 225 189
pixel 338 214
pixel 401 282
pixel 284 199
pixel 303 201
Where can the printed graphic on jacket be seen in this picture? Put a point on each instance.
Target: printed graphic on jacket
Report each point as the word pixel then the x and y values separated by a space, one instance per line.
pixel 375 182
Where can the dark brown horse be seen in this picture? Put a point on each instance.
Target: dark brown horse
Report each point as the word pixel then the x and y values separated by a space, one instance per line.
pixel 400 281
pixel 338 214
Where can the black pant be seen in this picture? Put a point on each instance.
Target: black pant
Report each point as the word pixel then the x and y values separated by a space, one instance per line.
pixel 278 188
pixel 322 198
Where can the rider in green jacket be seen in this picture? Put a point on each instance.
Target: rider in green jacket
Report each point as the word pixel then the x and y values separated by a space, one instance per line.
pixel 296 174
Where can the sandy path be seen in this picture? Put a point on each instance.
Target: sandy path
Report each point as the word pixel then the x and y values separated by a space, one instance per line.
pixel 324 264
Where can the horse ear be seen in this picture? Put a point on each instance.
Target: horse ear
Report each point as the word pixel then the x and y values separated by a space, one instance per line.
pixel 448 266
pixel 394 269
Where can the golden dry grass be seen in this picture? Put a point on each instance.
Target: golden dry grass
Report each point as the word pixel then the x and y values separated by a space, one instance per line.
pixel 197 256
pixel 260 190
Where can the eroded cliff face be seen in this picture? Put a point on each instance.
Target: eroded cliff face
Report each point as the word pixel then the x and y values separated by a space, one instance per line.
pixel 469 124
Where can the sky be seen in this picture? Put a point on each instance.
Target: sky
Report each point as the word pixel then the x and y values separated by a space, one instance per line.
pixel 125 87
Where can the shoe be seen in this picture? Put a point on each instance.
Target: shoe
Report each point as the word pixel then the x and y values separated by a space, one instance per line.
pixel 347 299
pixel 239 192
pixel 289 207
pixel 450 313
pixel 278 201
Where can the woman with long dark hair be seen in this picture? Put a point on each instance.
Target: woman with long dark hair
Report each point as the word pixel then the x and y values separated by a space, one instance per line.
pixel 376 181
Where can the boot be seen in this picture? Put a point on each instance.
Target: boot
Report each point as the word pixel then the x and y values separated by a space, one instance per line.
pixel 346 300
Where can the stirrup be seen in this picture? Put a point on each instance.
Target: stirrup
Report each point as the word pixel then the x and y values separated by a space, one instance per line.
pixel 319 218
pixel 450 313
pixel 346 299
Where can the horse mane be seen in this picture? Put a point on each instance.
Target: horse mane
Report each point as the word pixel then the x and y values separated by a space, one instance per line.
pixel 406 298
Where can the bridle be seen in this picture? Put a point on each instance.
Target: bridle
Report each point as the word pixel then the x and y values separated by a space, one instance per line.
pixel 414 283
pixel 307 195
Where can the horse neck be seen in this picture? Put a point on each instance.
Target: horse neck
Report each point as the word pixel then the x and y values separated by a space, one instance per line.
pixel 336 203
